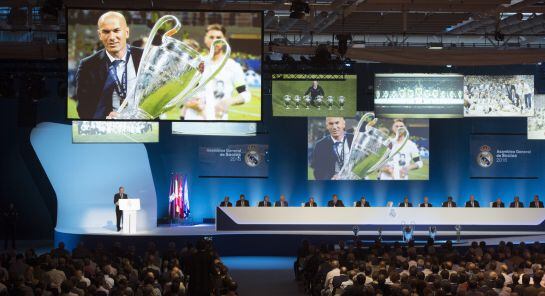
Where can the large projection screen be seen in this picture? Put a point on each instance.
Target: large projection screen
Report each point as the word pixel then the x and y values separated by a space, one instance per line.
pixel 164 65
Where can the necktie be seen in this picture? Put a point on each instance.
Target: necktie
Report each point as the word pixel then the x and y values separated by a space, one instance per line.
pixel 516 204
pixel 537 204
pixel 449 204
pixel 472 205
pixel 105 103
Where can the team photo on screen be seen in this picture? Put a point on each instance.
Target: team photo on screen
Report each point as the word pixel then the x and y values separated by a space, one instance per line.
pixel 314 95
pixel 164 65
pixel 114 132
pixel 381 149
pixel 416 95
pixel 498 96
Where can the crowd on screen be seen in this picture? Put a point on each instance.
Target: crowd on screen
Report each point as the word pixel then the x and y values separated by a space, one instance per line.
pixel 363 202
pixel 191 270
pixel 396 269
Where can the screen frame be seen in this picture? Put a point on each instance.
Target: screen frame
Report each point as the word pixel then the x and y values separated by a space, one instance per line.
pixel 118 8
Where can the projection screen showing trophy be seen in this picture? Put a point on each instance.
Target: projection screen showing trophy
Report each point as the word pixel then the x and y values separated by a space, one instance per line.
pixel 368 148
pixel 164 65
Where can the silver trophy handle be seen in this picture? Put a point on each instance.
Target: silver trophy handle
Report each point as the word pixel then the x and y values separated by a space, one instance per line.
pixel 386 158
pixel 160 22
pixel 206 78
pixel 369 119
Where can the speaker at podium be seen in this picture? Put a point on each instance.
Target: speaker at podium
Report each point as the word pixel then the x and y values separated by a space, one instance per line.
pixel 130 207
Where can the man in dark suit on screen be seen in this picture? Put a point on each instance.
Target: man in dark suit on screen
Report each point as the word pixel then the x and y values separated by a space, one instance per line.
pixel 332 151
pixel 472 203
pixel 108 77
pixel 311 203
pixel 266 202
pixel 242 202
pixel 498 203
pixel 516 203
pixel 335 202
pixel 405 203
pixel 449 203
pixel 226 202
pixel 119 213
pixel 536 203
pixel 362 203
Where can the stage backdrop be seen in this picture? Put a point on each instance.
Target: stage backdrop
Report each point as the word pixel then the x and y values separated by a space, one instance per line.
pixel 86 177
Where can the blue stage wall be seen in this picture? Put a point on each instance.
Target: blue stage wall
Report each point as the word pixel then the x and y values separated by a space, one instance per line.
pixel 449 162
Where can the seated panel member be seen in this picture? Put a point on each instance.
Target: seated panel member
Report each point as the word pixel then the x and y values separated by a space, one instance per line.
pixel 335 202
pixel 426 203
pixel 449 203
pixel 266 202
pixel 498 203
pixel 405 203
pixel 362 203
pixel 311 203
pixel 242 202
pixel 472 203
pixel 516 203
pixel 282 202
pixel 536 203
pixel 226 202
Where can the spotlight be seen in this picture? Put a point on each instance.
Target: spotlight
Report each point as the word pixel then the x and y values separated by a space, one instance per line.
pixel 499 36
pixel 299 9
pixel 435 45
pixel 343 42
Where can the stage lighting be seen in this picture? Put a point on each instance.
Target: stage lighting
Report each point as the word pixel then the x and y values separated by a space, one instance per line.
pixel 343 42
pixel 499 36
pixel 435 45
pixel 299 9
pixel 322 55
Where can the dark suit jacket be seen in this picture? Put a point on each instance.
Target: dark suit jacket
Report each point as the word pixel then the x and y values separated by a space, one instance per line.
pixel 366 205
pixel 333 204
pixel 476 204
pixel 117 197
pixel 402 205
pixel 422 205
pixel 90 78
pixel 242 203
pixel 277 203
pixel 262 204
pixel 512 205
pixel 533 204
pixel 323 157
pixel 229 204
pixel 495 205
pixel 307 204
pixel 445 204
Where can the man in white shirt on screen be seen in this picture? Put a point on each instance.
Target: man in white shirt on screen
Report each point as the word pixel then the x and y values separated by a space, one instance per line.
pixel 406 160
pixel 214 100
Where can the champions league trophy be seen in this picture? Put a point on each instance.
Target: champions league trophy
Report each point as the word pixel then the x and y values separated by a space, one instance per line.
pixel 287 100
pixel 297 100
pixel 370 149
pixel 169 73
pixel 307 101
pixel 408 232
pixel 458 232
pixel 341 102
pixel 318 101
pixel 432 232
pixel 330 102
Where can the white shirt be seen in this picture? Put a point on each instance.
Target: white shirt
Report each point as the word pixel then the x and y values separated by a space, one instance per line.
pixel 329 277
pixel 131 79
pixel 344 151
pixel 222 86
pixel 402 160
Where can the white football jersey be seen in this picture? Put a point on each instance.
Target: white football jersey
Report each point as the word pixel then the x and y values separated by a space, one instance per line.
pixel 401 160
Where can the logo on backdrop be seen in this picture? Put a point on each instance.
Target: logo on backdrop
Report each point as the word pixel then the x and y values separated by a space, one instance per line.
pixel 252 157
pixel 485 158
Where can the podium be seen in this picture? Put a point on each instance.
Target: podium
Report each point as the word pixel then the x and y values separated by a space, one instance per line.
pixel 129 206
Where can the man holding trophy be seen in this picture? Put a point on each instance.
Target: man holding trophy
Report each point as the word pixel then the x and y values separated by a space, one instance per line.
pixel 407 159
pixel 108 77
pixel 332 151
pixel 213 101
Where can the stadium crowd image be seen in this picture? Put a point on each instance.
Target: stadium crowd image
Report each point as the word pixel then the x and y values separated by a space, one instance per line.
pixel 321 148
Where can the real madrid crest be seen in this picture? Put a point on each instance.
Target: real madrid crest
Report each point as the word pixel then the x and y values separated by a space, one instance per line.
pixel 485 158
pixel 252 156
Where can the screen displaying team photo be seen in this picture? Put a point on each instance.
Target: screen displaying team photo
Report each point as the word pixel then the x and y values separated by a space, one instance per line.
pixel 499 96
pixel 536 123
pixel 314 95
pixel 164 65
pixel 115 132
pixel 411 95
pixel 381 149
